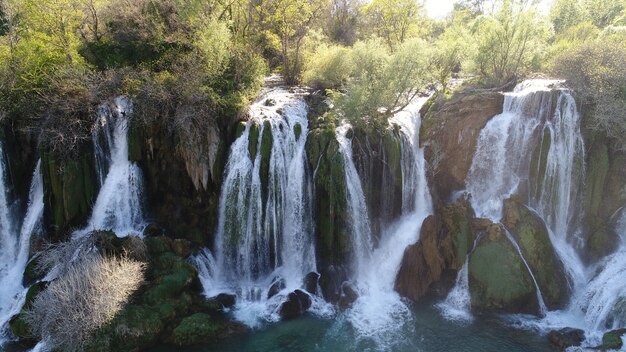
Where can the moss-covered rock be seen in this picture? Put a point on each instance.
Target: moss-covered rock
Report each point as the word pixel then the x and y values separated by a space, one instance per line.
pixel 253 139
pixel 533 238
pixel 267 140
pixel 137 327
pixel 18 325
pixel 70 188
pixel 330 209
pixel 498 278
pixel 195 329
pixel 612 340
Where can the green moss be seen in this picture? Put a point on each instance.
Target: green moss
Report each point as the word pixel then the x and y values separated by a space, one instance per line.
pixel 539 162
pixel 266 153
pixel 136 328
pixel 612 340
pixel 597 170
pixel 253 139
pixel 498 278
pixel 170 286
pixel 158 245
pixel 70 190
pixel 533 238
pixel 195 329
pixel 134 144
pixel 241 127
pixel 297 130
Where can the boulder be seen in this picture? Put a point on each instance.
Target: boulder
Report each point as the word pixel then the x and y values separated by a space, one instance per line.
pixel 566 337
pixel 533 238
pixel 498 279
pixel 296 304
pixel 152 230
pixel 225 299
pixel 348 295
pixel 612 340
pixel 449 132
pixel 310 282
pixel 445 239
pixel 277 285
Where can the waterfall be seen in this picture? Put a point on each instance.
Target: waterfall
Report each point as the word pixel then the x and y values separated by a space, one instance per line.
pixel 535 113
pixel 265 225
pixel 14 247
pixel 457 305
pixel 604 297
pixel 360 227
pixel 380 315
pixel 118 206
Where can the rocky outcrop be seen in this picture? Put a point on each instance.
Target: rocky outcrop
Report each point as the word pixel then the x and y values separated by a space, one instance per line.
pixel 70 189
pixel 377 156
pixel 445 239
pixel 296 304
pixel 498 279
pixel 566 337
pixel 329 209
pixel 449 133
pixel 533 238
pixel 605 193
pixel 182 185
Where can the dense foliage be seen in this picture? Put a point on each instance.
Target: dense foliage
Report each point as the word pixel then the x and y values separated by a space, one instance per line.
pixel 194 65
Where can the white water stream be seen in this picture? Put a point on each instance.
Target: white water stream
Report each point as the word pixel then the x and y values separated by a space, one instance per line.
pixel 119 205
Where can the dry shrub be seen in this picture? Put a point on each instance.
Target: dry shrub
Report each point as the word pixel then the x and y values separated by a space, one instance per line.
pixel 86 297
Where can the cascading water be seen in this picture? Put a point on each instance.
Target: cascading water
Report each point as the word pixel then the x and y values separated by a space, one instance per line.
pixel 535 113
pixel 360 227
pixel 379 315
pixel 265 226
pixel 14 247
pixel 118 206
pixel 457 305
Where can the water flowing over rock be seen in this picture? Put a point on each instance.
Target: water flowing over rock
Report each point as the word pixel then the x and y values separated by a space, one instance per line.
pixel 534 149
pixel 379 314
pixel 265 226
pixel 119 205
pixel 450 133
pixel 14 245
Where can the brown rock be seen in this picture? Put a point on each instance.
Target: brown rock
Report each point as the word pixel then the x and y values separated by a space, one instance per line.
pixel 445 239
pixel 450 132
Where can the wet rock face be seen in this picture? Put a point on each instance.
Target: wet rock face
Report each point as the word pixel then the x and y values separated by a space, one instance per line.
pixel 297 303
pixel 566 337
pixel 532 236
pixel 70 189
pixel 498 279
pixel 445 239
pixel 450 132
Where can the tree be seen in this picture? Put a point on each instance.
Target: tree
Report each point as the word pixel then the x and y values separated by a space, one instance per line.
pixel 604 12
pixel 381 83
pixel 565 14
pixel 291 20
pixel 394 20
pixel 509 43
pixel 596 70
pixel 451 49
pixel 344 21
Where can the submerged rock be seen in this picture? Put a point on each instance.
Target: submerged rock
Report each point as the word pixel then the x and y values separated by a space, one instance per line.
pixel 532 236
pixel 296 304
pixel 498 278
pixel 566 337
